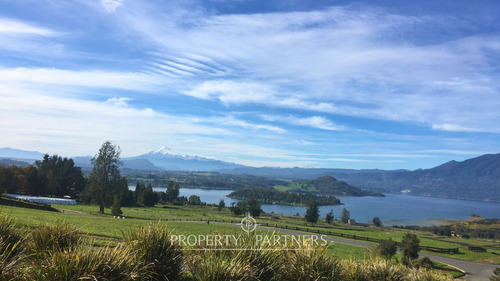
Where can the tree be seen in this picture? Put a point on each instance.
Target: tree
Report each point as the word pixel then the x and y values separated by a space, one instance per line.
pixel 312 212
pixel 329 217
pixel 410 245
pixel 377 222
pixel 254 208
pixel 221 205
pixel 194 200
pixel 148 197
pixel 62 177
pixel 105 174
pixel 387 248
pixel 239 208
pixel 346 215
pixel 116 208
pixel 172 191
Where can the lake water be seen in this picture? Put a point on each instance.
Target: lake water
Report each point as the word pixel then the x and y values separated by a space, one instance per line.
pixel 393 209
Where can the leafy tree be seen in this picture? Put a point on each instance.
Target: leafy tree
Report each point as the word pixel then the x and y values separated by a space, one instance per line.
pixel 346 215
pixel 377 222
pixel 410 245
pixel 312 212
pixel 116 208
pixel 239 208
pixel 387 248
pixel 172 191
pixel 105 174
pixel 221 205
pixel 254 208
pixel 329 217
pixel 194 200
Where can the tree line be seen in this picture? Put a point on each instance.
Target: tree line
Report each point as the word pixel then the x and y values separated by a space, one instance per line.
pixel 52 176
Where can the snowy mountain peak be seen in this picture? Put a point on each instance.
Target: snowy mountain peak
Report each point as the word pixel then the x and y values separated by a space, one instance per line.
pixel 163 150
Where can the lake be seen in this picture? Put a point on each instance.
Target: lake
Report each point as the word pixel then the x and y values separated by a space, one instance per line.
pixel 394 209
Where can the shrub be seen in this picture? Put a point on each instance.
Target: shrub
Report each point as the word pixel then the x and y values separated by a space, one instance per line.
pixel 155 249
pixel 387 248
pixel 52 238
pixel 116 208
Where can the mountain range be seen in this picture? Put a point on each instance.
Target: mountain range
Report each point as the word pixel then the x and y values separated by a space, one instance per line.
pixel 473 179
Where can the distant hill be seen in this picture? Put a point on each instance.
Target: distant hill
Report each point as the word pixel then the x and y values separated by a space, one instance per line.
pixel 328 185
pixel 9 162
pixel 131 164
pixel 473 179
pixel 12 153
pixel 166 159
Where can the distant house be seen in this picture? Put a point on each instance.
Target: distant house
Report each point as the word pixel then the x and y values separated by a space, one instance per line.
pixel 351 222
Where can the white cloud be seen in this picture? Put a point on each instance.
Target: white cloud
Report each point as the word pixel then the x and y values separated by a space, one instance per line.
pixel 318 122
pixel 453 128
pixel 97 78
pixel 121 102
pixel 231 121
pixel 12 27
pixel 111 5
pixel 337 60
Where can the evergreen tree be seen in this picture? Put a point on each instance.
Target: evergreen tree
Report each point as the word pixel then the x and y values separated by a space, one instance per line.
pixel 410 245
pixel 346 215
pixel 312 212
pixel 116 208
pixel 329 217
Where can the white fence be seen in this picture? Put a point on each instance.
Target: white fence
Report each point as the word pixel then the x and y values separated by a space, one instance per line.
pixel 43 200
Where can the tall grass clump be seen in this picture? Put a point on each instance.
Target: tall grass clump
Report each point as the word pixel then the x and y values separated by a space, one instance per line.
pixel 381 269
pixel 154 248
pixel 88 263
pixel 11 248
pixel 308 262
pixel 52 238
pixel 246 260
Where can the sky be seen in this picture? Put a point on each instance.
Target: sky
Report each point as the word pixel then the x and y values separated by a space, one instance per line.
pixel 296 83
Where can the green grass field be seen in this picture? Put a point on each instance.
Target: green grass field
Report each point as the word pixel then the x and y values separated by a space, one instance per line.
pixel 113 228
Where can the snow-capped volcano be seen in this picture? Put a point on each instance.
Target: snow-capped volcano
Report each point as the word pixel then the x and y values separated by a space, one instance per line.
pixel 165 158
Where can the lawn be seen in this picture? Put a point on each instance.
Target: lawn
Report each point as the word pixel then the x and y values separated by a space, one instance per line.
pixel 108 226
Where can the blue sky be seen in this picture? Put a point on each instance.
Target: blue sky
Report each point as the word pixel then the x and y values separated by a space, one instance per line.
pixel 375 84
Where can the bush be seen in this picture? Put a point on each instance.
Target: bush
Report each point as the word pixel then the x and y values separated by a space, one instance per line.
pixel 155 249
pixel 52 238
